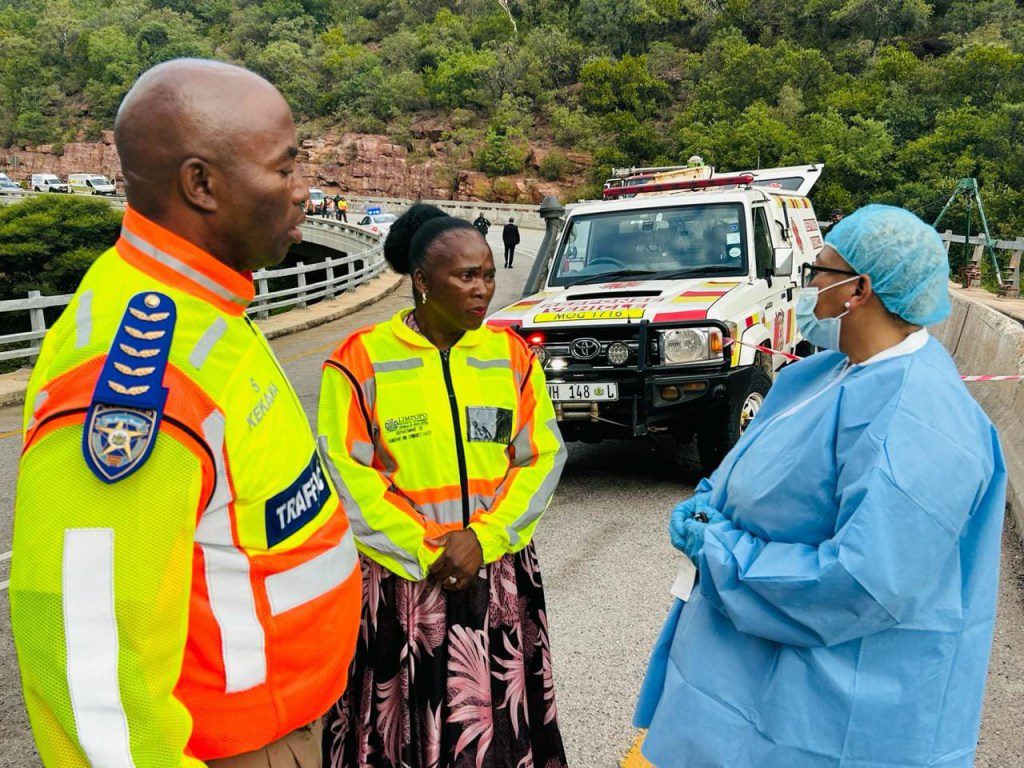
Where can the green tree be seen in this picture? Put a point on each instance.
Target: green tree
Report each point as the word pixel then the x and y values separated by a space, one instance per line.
pixel 48 242
pixel 501 154
pixel 879 19
pixel 625 85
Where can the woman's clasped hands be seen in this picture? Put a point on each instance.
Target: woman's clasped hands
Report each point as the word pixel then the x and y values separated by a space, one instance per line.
pixel 460 562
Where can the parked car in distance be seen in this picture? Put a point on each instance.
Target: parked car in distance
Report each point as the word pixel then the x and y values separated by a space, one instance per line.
pixel 8 187
pixel 91 184
pixel 48 182
pixel 379 223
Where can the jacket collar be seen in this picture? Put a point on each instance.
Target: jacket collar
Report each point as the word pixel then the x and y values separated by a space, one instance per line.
pixel 410 337
pixel 176 262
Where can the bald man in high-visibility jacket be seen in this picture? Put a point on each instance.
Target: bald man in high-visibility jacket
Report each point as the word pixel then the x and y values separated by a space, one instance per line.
pixel 185 587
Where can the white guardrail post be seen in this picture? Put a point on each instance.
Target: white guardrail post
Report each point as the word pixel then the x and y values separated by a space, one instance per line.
pixel 38 320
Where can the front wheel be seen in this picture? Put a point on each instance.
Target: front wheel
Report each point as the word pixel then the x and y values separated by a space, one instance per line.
pixel 723 427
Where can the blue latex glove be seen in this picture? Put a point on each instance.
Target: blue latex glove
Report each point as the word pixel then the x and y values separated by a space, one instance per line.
pixel 689 521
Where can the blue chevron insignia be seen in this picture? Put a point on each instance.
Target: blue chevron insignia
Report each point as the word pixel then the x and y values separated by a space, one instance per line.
pixel 128 401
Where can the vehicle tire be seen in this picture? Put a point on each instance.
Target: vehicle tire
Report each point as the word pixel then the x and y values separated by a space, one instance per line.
pixel 723 427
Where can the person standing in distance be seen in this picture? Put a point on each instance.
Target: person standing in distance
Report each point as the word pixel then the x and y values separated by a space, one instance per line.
pixel 510 237
pixel 446 450
pixel 185 588
pixel 482 225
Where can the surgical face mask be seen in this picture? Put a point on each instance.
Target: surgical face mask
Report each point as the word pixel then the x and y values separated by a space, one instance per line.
pixel 821 333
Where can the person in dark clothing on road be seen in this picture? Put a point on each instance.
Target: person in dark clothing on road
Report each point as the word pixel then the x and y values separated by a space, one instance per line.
pixel 510 237
pixel 482 225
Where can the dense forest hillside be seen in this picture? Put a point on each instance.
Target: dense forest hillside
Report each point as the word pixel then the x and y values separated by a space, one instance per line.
pixel 899 97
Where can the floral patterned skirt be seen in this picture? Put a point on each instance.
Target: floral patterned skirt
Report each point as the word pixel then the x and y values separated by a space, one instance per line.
pixel 449 679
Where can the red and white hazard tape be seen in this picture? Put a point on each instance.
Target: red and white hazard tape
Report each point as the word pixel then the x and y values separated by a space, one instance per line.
pixel 762 348
pixel 993 378
pixel 794 358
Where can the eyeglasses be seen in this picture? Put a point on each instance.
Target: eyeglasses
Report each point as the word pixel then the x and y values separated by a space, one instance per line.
pixel 810 271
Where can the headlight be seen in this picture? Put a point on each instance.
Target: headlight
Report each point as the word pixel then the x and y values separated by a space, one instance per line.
pixel 690 345
pixel 618 353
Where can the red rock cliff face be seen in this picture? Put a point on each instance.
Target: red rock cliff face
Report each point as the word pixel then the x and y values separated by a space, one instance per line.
pixel 357 163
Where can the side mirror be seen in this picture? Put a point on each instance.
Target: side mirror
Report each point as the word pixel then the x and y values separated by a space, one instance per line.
pixel 783 265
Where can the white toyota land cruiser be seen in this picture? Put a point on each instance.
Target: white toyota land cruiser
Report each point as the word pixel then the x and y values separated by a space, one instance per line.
pixel 654 306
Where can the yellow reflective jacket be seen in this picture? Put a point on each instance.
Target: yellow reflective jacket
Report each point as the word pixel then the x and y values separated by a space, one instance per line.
pixel 184 582
pixel 421 442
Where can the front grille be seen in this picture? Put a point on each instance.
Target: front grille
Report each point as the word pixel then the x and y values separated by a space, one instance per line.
pixel 559 343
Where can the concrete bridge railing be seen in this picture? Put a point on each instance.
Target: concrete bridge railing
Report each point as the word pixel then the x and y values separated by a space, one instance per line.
pixel 984 341
pixel 1015 247
pixel 360 259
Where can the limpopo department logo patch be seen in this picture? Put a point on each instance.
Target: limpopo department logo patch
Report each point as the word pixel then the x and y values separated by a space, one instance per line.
pixel 119 439
pixel 391 425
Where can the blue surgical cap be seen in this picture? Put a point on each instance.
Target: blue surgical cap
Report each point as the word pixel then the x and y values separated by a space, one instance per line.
pixel 904 256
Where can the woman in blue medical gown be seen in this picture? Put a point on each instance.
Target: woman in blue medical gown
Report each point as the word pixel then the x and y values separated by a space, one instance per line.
pixel 848 546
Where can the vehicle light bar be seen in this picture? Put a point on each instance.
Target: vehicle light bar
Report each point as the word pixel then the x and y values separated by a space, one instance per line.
pixel 688 184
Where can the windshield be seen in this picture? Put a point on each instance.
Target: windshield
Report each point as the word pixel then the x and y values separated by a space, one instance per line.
pixel 385 218
pixel 100 181
pixel 661 242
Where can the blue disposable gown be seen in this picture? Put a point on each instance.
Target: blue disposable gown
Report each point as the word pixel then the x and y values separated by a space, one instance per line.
pixel 845 608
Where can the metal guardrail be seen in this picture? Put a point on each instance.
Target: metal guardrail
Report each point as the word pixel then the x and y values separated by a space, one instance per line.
pixel 1016 248
pixel 340 274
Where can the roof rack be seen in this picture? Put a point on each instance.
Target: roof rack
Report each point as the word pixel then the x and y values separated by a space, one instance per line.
pixel 743 179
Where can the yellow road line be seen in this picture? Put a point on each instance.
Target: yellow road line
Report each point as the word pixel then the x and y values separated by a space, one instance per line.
pixel 12 433
pixel 633 758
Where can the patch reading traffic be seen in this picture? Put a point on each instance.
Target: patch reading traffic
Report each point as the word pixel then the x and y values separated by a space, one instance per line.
pixel 296 505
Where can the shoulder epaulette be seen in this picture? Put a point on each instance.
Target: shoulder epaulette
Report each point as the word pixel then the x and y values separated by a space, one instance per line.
pixel 128 401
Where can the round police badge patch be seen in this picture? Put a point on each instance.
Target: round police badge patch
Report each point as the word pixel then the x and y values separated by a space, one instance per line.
pixel 119 439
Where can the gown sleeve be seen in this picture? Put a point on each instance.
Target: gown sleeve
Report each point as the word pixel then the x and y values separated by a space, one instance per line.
pixel 901 514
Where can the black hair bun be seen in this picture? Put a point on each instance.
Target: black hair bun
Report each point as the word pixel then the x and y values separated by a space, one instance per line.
pixel 397 244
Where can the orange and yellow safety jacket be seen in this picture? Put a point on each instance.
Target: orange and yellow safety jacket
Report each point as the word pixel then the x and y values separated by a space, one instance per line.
pixel 421 442
pixel 184 582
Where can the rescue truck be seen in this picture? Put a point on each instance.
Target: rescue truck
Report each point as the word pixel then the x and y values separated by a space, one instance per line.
pixel 669 306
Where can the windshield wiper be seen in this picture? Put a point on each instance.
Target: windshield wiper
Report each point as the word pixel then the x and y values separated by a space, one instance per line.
pixel 615 275
pixel 675 274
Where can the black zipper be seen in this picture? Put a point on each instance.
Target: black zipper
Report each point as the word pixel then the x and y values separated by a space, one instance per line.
pixel 460 449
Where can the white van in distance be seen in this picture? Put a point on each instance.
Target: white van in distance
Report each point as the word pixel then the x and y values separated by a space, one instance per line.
pixel 91 184
pixel 48 182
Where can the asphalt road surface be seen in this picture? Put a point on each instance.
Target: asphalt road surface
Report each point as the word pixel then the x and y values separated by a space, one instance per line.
pixel 607 568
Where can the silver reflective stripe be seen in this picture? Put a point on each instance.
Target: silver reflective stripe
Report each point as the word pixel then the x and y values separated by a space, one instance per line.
pixel 522 448
pixel 450 511
pixel 398 365
pixel 207 342
pixel 474 362
pixel 367 536
pixel 41 398
pixel 303 583
pixel 370 390
pixel 90 638
pixel 83 319
pixel 182 268
pixel 540 500
pixel 362 452
pixel 227 579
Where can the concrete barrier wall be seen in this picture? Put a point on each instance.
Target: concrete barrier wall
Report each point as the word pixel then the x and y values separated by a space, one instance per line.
pixel 984 341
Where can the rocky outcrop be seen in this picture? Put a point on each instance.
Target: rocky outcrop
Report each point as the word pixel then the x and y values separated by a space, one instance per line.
pixel 73 157
pixel 357 163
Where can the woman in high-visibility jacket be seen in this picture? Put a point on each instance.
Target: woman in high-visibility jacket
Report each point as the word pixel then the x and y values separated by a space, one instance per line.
pixel 442 441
